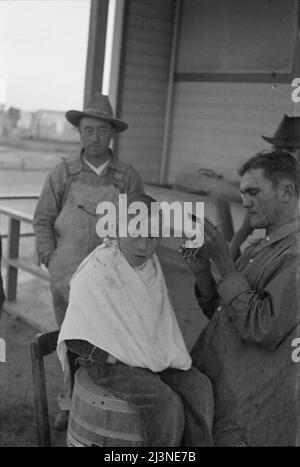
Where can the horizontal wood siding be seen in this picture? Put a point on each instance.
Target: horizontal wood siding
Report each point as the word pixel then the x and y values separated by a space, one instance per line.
pixel 143 89
pixel 218 125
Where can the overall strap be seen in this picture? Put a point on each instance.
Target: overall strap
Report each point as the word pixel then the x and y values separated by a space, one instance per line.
pixel 73 167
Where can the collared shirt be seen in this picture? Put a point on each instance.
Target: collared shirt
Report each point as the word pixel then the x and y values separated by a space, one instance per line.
pixel 97 170
pixel 246 348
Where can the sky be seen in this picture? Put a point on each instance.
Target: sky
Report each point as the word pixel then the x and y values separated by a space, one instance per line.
pixel 43 47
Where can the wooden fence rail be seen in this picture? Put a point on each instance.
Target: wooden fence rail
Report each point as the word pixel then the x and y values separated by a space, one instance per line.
pixel 12 259
pixel 15 217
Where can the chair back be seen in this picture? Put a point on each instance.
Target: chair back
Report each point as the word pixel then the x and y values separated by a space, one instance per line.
pixel 43 345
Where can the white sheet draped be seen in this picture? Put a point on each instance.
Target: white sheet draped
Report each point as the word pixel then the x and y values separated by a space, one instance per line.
pixel 125 311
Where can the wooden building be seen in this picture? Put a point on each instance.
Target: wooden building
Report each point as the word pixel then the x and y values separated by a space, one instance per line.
pixel 198 81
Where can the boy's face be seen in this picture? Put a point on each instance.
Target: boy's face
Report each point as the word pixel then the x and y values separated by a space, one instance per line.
pixel 137 250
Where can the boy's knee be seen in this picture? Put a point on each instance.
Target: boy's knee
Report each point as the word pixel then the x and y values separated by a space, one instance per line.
pixel 205 383
pixel 172 417
pixel 171 406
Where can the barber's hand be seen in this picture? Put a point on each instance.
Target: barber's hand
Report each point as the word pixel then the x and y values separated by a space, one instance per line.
pixel 199 263
pixel 216 248
pixel 196 259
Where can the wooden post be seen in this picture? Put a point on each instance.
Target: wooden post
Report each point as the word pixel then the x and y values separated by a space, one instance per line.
pixel 169 102
pixel 12 253
pixel 113 51
pixel 40 396
pixel 96 48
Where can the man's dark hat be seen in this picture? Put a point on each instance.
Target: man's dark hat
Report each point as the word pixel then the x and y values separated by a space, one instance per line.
pixel 287 134
pixel 100 108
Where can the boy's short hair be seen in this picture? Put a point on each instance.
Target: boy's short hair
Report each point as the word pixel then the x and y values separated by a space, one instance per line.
pixel 147 200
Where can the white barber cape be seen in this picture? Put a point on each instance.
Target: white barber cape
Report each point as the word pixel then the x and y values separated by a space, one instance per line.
pixel 125 311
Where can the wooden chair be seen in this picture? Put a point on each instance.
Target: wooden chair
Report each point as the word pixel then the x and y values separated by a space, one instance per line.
pixel 43 345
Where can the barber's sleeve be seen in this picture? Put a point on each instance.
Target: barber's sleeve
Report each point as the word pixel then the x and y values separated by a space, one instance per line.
pixel 47 210
pixel 268 316
pixel 207 304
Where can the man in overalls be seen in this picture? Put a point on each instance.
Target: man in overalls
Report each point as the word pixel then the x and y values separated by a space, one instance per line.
pixel 65 216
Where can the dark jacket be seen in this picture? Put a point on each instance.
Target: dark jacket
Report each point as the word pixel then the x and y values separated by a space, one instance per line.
pixel 246 348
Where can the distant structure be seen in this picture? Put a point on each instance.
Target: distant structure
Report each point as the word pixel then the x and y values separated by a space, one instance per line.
pixel 40 125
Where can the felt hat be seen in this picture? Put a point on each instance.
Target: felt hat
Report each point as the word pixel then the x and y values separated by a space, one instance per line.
pixel 100 108
pixel 287 134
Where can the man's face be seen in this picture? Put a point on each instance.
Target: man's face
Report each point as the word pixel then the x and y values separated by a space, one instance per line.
pixel 95 136
pixel 261 200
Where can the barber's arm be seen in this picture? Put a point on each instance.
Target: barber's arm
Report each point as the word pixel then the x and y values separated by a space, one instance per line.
pixel 264 317
pixel 205 286
pixel 207 303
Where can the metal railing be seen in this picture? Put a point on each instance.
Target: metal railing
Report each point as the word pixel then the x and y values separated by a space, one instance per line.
pixel 12 259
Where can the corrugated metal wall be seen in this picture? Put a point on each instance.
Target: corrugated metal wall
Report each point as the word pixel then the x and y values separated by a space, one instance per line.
pixel 217 125
pixel 143 87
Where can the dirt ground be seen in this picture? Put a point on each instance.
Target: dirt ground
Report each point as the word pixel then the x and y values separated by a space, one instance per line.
pixel 17 415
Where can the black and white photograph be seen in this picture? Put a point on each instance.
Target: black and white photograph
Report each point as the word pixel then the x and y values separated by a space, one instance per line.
pixel 149 226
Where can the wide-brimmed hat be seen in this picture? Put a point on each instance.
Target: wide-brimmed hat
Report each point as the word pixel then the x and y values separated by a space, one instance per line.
pixel 287 134
pixel 98 107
